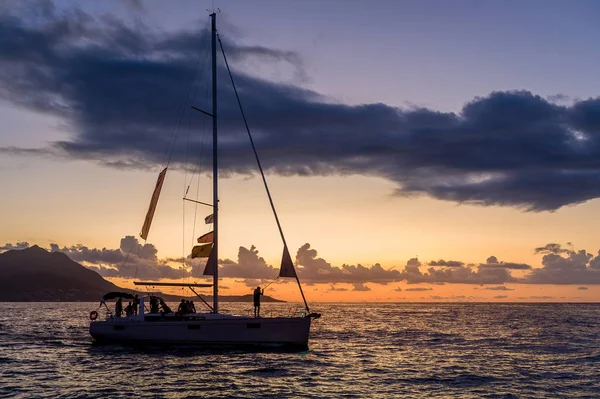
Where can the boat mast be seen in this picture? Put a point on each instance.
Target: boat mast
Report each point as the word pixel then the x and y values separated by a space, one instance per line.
pixel 215 248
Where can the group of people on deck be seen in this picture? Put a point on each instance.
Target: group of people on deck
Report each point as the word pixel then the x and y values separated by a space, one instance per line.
pixel 157 305
pixel 186 307
pixel 130 310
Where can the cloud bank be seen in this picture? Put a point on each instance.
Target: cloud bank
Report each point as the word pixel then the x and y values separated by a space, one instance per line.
pixel 119 87
pixel 134 260
pixel 130 260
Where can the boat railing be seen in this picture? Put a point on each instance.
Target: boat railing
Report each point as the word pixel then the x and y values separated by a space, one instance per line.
pixel 287 312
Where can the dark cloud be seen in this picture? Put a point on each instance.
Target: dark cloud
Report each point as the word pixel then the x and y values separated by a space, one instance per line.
pixel 417 289
pixel 131 260
pixel 18 246
pixel 317 270
pixel 134 5
pixel 398 289
pixel 493 263
pixel 501 296
pixel 461 274
pixel 449 263
pixel 249 265
pixel 561 266
pixel 360 287
pixel 332 287
pixel 558 98
pixel 120 87
pixel 551 248
pixel 499 288
pixel 582 288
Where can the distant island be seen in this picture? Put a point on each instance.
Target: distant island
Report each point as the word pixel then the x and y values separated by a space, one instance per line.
pixel 36 275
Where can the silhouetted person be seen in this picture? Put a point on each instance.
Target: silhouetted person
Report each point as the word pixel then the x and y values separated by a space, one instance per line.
pixel 257 293
pixel 136 302
pixel 165 307
pixel 119 307
pixel 153 304
pixel 182 309
pixel 129 309
pixel 192 307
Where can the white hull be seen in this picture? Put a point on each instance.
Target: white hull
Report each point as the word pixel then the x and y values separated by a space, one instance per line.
pixel 205 330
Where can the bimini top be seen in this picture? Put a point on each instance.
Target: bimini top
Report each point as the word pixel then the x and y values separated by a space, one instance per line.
pixel 113 295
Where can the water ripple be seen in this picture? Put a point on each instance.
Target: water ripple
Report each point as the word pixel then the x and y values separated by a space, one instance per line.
pixel 356 351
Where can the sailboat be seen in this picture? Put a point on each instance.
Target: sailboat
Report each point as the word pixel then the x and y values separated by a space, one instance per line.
pixel 213 328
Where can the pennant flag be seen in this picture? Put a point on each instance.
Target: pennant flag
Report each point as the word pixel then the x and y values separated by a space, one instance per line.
pixel 209 219
pixel 201 251
pixel 153 202
pixel 287 266
pixel 208 237
pixel 209 269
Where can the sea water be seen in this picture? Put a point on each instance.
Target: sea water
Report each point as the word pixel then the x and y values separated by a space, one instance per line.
pixel 366 350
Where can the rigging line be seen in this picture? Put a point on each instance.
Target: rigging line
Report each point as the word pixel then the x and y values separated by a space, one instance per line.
pixel 202 140
pixel 183 239
pixel 275 279
pixel 127 258
pixel 138 255
pixel 183 251
pixel 187 98
pixel 184 108
pixel 203 129
pixel 262 174
pixel 203 136
pixel 203 120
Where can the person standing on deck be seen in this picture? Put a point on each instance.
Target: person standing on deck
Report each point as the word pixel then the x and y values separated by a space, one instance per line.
pixel 257 293
pixel 119 307
pixel 153 304
pixel 136 303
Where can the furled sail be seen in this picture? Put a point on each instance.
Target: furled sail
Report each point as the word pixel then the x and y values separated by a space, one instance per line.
pixel 209 269
pixel 206 238
pixel 153 202
pixel 201 251
pixel 287 266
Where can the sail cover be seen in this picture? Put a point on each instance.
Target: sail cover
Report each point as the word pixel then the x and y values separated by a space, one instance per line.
pixel 287 266
pixel 113 295
pixel 209 269
pixel 153 202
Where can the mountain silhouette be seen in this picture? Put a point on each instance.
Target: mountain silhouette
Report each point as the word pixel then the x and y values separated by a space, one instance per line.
pixel 34 274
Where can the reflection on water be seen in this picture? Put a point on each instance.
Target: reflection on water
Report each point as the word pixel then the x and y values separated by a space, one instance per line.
pixel 356 351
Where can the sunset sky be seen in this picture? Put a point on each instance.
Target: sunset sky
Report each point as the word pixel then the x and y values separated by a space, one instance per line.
pixel 416 151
